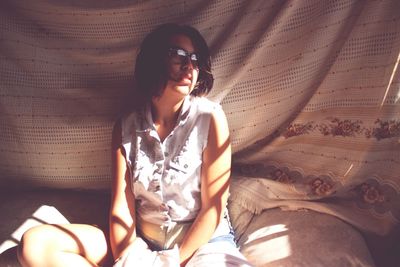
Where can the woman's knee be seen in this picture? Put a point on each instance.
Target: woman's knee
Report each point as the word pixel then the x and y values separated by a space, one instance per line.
pixel 43 243
pixel 33 246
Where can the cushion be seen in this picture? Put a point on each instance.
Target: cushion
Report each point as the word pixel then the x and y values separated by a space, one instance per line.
pixel 303 238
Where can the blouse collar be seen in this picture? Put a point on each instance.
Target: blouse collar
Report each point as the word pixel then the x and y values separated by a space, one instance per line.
pixel 182 117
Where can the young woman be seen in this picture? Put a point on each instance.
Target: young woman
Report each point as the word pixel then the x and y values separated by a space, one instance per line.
pixel 171 168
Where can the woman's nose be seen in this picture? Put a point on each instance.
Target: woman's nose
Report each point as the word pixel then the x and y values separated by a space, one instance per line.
pixel 187 63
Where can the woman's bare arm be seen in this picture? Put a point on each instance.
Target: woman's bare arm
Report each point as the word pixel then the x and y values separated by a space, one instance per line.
pixel 215 175
pixel 122 212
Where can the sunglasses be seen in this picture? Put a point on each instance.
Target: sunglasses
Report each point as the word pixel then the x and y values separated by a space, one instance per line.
pixel 182 56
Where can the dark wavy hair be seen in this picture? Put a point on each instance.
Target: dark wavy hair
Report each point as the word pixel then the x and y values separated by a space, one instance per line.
pixel 151 75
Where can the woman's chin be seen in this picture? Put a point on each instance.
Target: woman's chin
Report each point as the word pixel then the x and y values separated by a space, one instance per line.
pixel 183 89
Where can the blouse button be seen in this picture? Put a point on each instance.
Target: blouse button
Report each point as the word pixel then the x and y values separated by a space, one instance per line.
pixel 185 166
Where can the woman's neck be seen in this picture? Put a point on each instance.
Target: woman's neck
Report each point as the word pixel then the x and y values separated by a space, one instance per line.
pixel 165 112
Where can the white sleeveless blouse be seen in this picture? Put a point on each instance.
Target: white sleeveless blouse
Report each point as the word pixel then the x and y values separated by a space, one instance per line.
pixel 165 176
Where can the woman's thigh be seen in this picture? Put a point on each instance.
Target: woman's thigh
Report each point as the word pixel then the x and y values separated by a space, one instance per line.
pixel 88 241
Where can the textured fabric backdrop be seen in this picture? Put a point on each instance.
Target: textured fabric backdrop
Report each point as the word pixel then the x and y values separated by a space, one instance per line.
pixel 310 89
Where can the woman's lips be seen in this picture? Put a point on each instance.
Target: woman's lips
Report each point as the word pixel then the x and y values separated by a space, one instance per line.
pixel 186 80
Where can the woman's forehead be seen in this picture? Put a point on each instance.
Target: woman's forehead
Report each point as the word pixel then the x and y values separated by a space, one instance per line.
pixel 182 41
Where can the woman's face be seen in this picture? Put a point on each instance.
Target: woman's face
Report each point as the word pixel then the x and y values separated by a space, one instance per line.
pixel 181 66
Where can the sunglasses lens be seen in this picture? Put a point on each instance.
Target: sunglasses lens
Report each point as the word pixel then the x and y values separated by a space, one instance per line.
pixel 193 59
pixel 183 56
pixel 181 53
